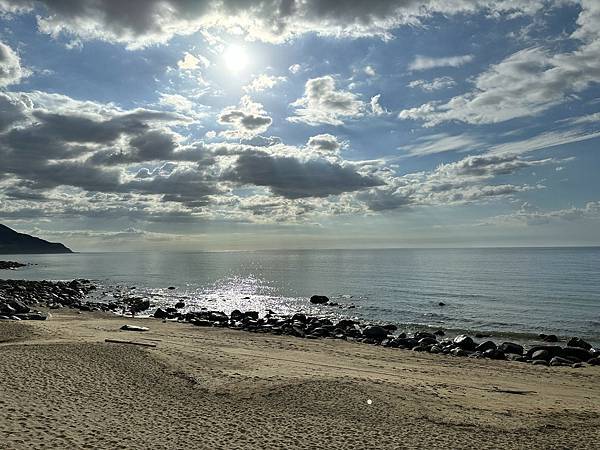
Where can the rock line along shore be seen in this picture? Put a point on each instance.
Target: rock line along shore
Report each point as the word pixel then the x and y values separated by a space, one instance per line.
pixel 19 298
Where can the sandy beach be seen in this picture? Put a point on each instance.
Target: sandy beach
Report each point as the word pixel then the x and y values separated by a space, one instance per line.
pixel 63 386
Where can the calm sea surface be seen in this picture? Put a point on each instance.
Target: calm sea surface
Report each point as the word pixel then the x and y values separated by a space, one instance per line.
pixel 516 292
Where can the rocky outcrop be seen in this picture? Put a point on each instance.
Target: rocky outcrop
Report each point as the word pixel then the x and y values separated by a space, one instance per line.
pixel 12 242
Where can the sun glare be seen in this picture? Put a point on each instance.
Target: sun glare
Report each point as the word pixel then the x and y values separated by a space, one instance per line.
pixel 235 57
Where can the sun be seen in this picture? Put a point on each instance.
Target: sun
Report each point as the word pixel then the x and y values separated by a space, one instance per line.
pixel 236 58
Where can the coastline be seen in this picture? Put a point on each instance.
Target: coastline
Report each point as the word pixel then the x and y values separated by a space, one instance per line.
pixel 219 388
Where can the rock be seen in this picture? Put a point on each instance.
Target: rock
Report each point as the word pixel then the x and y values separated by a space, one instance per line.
pixel 375 332
pixel 550 338
pixel 577 365
pixel 515 357
pixel 439 332
pixel 171 288
pixel 140 304
pixel 160 314
pixel 494 353
pixel 458 352
pixel 464 342
pixel 576 352
pixel 484 346
pixel 541 355
pixel 577 342
pixel 511 347
pixel 406 342
pixel 422 334
pixel 539 362
pixel 553 350
pixel 218 316
pixel 134 328
pixel 389 327
pixel 19 307
pixel 31 316
pixel 202 323
pixel 180 305
pixel 441 304
pixel 300 318
pixel 594 361
pixel 251 315
pixel 236 315
pixel 420 348
pixel 427 341
pixel 319 299
pixel 558 361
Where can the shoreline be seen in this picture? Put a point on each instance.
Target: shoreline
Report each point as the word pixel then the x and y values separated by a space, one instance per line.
pixel 19 298
pixel 204 387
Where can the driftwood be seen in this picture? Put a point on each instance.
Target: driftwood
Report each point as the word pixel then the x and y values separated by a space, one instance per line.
pixel 118 341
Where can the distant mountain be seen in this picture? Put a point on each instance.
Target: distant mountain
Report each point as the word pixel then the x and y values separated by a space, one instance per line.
pixel 13 242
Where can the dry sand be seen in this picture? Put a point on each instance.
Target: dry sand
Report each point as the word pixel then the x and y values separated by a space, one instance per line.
pixel 62 386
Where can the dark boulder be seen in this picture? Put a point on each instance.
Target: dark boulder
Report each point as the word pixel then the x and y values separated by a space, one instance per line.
pixel 180 305
pixel 375 332
pixel 299 317
pixel 553 350
pixel 406 342
pixel 423 334
pixel 484 346
pixel 345 323
pixel 319 299
pixel 427 341
pixel 464 342
pixel 494 353
pixel 251 315
pixel 543 355
pixel 558 361
pixel 576 352
pixel 19 307
pixel 539 362
pixel 511 347
pixel 236 315
pixel 458 352
pixel 439 332
pixel 550 338
pixel 577 342
pixel 389 327
pixel 31 316
pixel 218 316
pixel 160 314
pixel 594 361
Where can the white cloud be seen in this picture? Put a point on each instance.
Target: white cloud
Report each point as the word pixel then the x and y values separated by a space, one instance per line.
pixel 191 62
pixel 177 102
pixel 433 85
pixel 248 119
pixel 370 71
pixel 524 84
pixel 11 71
pixel 322 103
pixel 376 108
pixel 263 82
pixel 440 143
pixel 529 215
pixel 295 68
pixel 425 62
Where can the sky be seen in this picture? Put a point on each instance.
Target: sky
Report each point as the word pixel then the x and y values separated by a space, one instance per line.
pixel 241 125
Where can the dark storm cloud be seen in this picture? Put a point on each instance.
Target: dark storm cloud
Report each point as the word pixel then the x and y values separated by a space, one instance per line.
pixel 292 178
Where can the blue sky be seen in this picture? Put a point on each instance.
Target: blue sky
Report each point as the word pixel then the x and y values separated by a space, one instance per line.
pixel 240 125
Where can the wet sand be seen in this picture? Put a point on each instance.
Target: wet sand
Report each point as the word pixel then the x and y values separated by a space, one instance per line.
pixel 63 386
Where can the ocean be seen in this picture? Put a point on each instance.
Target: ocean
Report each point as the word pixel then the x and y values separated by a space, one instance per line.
pixel 507 292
